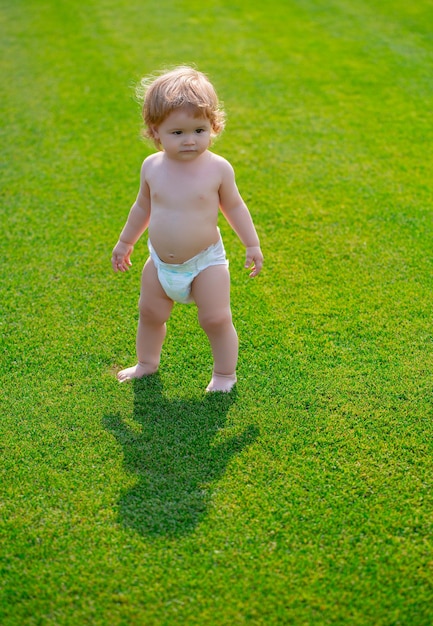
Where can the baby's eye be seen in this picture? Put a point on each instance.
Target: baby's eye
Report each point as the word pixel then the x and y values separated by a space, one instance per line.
pixel 200 130
pixel 177 132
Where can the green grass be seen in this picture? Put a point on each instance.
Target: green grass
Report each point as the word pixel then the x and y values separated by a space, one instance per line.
pixel 306 496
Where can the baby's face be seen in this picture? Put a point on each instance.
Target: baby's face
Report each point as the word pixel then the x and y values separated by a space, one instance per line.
pixel 182 136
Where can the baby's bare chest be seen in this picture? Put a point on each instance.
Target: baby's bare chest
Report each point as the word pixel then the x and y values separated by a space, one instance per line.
pixel 171 189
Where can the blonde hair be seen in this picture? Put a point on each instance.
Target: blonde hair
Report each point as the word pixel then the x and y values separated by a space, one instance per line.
pixel 182 86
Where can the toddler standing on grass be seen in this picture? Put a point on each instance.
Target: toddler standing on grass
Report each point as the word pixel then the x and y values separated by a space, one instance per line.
pixel 182 188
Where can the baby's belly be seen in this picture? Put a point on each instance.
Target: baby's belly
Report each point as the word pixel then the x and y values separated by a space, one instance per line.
pixel 176 242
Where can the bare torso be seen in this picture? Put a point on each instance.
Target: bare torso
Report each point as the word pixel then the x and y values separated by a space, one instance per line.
pixel 184 198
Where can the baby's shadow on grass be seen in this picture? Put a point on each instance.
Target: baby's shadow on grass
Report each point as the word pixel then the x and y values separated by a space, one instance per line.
pixel 175 449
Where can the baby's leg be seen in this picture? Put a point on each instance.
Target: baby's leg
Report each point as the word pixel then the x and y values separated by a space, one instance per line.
pixel 211 292
pixel 155 308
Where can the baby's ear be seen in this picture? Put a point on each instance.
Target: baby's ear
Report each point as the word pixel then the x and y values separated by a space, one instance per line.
pixel 154 131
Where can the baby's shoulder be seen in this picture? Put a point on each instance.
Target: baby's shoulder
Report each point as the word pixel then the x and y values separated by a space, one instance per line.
pixel 221 163
pixel 152 159
pixel 150 163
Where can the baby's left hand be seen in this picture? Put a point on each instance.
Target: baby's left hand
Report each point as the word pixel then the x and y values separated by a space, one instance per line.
pixel 255 258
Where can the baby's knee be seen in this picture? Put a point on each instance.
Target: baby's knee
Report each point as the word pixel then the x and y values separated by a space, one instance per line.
pixel 215 320
pixel 150 312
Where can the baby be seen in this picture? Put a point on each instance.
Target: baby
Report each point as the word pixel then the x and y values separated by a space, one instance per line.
pixel 182 188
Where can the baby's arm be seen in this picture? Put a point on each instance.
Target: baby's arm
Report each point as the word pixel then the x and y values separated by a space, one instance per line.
pixel 238 216
pixel 136 224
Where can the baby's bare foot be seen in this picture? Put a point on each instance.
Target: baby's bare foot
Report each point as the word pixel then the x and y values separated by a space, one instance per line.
pixel 222 382
pixel 138 371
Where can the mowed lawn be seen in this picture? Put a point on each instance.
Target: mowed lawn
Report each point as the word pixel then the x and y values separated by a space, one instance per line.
pixel 305 496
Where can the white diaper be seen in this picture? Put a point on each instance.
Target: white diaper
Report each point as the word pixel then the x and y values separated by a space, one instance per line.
pixel 176 279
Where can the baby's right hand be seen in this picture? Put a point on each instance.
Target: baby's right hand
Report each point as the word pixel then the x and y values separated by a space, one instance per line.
pixel 120 258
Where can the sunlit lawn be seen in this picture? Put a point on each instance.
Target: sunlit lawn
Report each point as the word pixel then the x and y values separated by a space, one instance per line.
pixel 305 497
